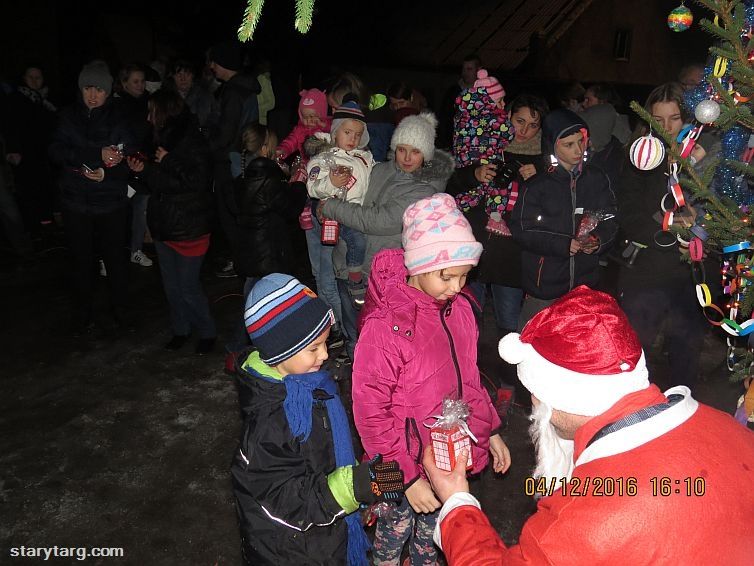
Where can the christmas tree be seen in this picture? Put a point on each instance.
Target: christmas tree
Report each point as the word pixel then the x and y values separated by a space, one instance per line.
pixel 721 197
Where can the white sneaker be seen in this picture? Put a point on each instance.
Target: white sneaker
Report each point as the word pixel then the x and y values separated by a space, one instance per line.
pixel 139 257
pixel 102 269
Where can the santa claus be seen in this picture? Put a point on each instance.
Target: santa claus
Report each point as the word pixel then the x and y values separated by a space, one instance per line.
pixel 627 474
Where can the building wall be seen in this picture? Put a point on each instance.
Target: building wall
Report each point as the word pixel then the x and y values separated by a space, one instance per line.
pixel 585 52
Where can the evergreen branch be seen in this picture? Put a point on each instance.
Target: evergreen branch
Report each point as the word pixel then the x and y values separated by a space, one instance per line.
pixel 304 15
pixel 251 16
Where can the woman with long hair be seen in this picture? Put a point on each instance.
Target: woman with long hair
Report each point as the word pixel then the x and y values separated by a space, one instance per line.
pixel 179 213
pixel 657 290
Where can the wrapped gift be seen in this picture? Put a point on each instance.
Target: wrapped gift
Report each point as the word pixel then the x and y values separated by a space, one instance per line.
pixel 450 435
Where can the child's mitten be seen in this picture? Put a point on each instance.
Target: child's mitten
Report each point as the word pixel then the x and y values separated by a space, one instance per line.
pixel 376 480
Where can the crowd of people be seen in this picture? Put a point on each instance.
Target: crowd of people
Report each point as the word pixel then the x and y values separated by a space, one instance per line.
pixel 412 222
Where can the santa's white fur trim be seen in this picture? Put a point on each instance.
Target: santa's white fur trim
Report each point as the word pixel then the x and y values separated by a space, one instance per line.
pixel 566 390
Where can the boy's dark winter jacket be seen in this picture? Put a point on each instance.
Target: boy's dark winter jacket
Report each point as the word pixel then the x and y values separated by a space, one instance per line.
pixel 287 513
pixel 78 140
pixel 544 221
pixel 181 204
pixel 263 205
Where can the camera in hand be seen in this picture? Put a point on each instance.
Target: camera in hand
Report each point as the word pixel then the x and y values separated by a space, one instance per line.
pixel 505 174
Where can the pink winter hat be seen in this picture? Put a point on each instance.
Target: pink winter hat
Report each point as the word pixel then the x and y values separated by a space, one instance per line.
pixel 436 235
pixel 313 99
pixel 493 86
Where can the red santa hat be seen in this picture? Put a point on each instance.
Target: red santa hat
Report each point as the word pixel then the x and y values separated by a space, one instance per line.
pixel 580 355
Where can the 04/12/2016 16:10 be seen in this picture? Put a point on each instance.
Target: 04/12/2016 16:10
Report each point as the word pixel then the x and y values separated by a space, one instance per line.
pixel 613 486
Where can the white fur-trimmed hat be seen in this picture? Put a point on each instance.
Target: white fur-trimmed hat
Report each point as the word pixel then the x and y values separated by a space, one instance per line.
pixel 579 355
pixel 417 131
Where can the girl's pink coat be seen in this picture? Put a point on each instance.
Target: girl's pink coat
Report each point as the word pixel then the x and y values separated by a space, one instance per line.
pixel 294 142
pixel 403 368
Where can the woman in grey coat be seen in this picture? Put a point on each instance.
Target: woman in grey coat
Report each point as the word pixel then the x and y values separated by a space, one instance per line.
pixel 415 170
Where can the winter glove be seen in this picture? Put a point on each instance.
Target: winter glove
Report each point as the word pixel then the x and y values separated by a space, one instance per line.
pixel 376 480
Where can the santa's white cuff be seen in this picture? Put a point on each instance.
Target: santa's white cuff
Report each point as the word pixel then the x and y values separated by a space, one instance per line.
pixel 458 499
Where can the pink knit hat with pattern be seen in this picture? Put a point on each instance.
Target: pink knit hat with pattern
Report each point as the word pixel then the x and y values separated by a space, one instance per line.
pixel 313 99
pixel 436 235
pixel 493 86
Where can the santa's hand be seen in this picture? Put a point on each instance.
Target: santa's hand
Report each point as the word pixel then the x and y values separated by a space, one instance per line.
pixel 501 456
pixel 421 498
pixel 445 483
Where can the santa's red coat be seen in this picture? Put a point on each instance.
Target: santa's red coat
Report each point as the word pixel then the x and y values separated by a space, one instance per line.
pixel 714 528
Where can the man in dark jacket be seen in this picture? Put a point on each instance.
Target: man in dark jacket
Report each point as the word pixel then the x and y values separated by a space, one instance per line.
pixel 546 218
pixel 237 102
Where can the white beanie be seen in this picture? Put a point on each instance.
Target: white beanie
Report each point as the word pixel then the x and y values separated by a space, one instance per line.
pixel 579 355
pixel 417 131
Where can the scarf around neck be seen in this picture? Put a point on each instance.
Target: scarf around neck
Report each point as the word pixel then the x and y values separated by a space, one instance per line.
pixel 298 411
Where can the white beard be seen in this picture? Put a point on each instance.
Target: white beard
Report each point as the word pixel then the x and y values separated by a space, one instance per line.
pixel 554 454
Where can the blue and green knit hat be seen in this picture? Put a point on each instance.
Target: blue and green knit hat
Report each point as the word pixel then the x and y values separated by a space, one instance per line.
pixel 283 317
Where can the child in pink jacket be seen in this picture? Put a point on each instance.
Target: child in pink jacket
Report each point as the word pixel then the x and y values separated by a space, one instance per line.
pixel 417 347
pixel 312 118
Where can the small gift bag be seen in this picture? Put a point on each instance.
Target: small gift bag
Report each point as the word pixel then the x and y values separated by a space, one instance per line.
pixel 589 221
pixel 450 434
pixel 330 232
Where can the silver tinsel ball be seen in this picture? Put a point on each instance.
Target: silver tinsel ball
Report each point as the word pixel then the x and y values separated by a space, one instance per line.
pixel 707 111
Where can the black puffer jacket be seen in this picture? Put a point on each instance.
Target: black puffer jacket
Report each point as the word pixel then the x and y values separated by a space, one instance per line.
pixel 264 204
pixel 544 221
pixel 286 511
pixel 78 140
pixel 181 204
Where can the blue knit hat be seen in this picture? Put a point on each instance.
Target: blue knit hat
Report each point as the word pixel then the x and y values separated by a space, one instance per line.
pixel 283 317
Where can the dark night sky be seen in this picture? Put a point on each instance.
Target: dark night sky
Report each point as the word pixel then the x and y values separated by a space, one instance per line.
pixel 61 36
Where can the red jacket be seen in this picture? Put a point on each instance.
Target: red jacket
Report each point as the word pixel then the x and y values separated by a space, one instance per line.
pixel 716 527
pixel 404 367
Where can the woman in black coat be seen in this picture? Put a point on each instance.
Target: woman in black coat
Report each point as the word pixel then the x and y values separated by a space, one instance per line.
pixel 500 264
pixel 88 147
pixel 179 214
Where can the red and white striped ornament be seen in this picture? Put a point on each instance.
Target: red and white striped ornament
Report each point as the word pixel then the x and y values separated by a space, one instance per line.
pixel 647 152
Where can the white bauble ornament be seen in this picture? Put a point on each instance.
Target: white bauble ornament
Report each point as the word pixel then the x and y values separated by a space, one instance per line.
pixel 707 111
pixel 647 152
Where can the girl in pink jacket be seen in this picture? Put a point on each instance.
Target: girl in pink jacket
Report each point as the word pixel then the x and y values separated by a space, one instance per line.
pixel 417 347
pixel 312 118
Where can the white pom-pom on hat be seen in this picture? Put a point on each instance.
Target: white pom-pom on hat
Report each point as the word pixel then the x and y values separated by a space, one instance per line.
pixel 511 349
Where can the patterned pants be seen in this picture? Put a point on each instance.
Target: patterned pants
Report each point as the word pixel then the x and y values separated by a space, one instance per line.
pixel 406 525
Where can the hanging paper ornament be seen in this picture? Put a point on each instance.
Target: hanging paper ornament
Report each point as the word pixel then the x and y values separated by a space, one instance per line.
pixel 707 111
pixel 680 18
pixel 647 152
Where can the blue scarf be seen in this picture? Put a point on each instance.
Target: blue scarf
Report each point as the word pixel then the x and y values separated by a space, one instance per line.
pixel 298 411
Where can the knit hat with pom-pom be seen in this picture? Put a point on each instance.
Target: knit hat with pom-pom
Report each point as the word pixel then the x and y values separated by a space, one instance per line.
pixel 417 131
pixel 579 355
pixel 493 86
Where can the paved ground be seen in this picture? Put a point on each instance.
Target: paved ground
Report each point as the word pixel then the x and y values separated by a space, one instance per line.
pixel 111 441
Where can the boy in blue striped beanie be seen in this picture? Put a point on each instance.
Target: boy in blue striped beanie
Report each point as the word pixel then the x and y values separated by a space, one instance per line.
pixel 295 474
